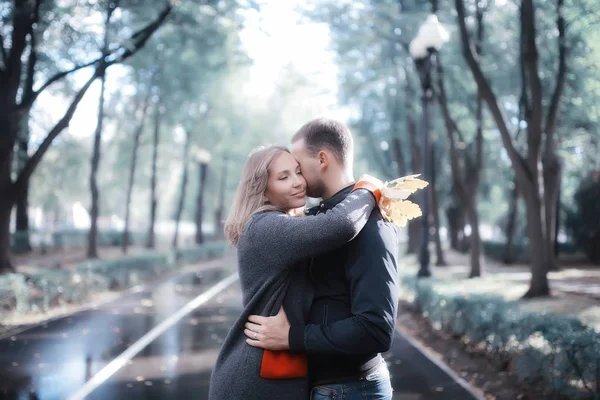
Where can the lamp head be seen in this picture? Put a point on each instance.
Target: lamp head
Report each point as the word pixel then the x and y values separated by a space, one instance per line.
pixel 202 156
pixel 431 36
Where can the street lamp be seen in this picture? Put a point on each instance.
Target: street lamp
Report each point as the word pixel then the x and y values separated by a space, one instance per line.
pixel 423 49
pixel 202 158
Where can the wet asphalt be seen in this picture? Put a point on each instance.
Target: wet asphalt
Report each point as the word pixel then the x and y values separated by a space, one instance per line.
pixel 54 360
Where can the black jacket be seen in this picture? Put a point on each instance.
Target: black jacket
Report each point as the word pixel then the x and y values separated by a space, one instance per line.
pixel 353 314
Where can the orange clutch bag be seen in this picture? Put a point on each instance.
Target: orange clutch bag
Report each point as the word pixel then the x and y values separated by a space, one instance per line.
pixel 283 365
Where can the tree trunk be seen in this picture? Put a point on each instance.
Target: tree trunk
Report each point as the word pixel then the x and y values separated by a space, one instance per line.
pixel 16 75
pixel 398 156
pixel 475 246
pixel 5 211
pixel 22 243
pixel 184 179
pixel 528 170
pixel 151 242
pixel 466 184
pixel 452 227
pixel 456 226
pixel 125 240
pixel 435 213
pixel 136 145
pixel 511 225
pixel 552 180
pixel 537 246
pixel 22 239
pixel 414 237
pixel 557 225
pixel 553 168
pixel 199 238
pixel 6 201
pixel 221 207
pixel 92 246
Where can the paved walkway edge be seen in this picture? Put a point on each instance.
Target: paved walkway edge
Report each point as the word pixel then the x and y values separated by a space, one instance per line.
pixel 441 365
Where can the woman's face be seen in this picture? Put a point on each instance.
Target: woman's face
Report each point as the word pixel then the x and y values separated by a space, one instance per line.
pixel 286 187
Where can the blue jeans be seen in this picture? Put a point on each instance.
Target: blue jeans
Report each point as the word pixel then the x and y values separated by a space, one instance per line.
pixel 376 386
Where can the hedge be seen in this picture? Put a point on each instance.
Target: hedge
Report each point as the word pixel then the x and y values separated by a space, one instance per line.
pixel 71 238
pixel 41 291
pixel 558 353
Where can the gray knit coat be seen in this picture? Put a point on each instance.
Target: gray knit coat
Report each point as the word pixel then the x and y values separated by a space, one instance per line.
pixel 272 256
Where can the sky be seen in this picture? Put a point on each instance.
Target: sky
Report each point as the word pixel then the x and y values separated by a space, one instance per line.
pixel 276 37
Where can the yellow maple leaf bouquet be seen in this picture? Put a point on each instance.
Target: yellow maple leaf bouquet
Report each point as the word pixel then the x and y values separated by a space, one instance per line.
pixel 394 205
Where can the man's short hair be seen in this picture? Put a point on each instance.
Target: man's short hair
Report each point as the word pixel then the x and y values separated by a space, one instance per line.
pixel 325 133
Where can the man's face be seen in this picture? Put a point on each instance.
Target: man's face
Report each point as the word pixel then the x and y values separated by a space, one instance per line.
pixel 311 169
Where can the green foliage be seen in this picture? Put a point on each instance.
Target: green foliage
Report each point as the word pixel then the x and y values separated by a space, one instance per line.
pixel 555 352
pixel 370 39
pixel 583 221
pixel 189 65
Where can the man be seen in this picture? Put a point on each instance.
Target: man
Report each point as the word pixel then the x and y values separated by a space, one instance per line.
pixel 353 314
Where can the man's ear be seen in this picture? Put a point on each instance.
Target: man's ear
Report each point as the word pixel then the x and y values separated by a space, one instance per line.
pixel 323 159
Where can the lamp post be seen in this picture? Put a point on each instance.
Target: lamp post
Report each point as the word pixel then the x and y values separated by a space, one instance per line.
pixel 202 158
pixel 423 49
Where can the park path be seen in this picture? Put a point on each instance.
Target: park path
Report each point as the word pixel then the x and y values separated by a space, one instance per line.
pixel 161 342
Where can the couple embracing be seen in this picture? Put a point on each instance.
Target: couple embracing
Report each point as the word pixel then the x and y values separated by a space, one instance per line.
pixel 320 289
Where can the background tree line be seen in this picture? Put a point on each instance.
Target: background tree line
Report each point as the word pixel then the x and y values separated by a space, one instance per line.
pixel 516 123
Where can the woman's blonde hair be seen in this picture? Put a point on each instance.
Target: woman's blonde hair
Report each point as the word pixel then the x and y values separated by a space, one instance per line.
pixel 249 197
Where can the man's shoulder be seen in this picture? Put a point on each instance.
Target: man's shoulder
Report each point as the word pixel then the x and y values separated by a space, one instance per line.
pixel 378 224
pixel 377 229
pixel 377 241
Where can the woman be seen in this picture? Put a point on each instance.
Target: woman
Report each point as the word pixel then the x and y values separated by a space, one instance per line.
pixel 272 249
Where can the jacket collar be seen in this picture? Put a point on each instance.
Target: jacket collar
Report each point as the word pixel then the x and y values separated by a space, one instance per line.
pixel 337 198
pixel 332 201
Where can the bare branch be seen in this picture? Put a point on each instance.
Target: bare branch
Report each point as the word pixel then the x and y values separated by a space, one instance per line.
pixel 488 94
pixel 32 163
pixel 552 115
pixel 141 37
pixel 29 101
